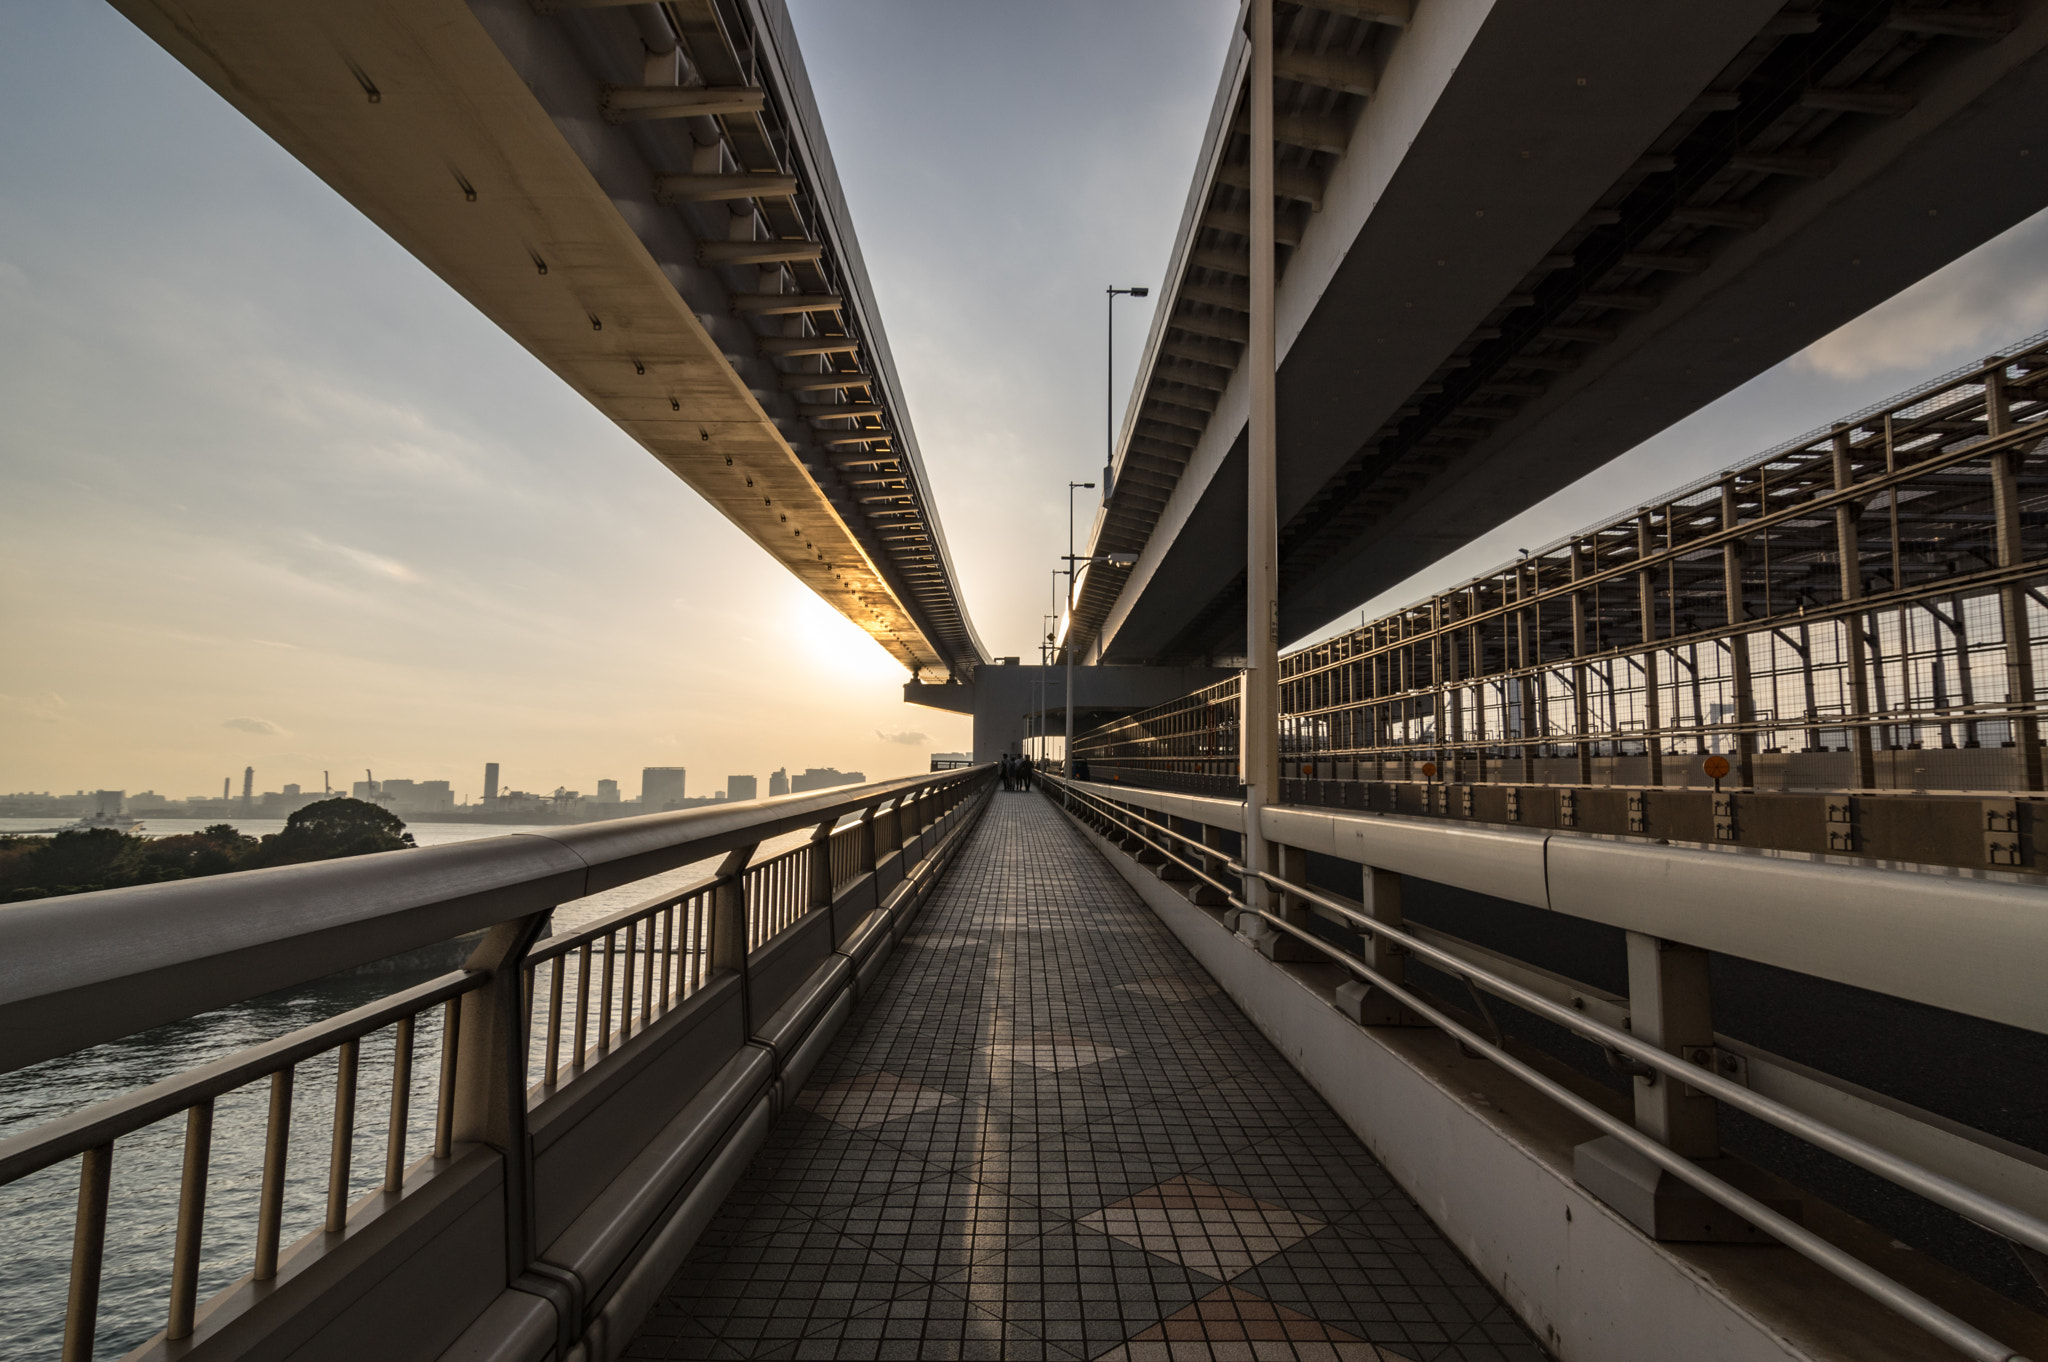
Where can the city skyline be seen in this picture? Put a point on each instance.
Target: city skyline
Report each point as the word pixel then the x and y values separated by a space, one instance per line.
pixel 603 789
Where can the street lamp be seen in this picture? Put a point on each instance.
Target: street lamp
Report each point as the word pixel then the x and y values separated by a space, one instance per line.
pixel 1072 560
pixel 1067 738
pixel 1109 389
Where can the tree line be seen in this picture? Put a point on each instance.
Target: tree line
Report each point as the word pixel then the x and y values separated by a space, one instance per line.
pixel 77 862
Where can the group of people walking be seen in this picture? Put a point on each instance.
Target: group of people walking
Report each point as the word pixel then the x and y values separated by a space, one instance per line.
pixel 1015 771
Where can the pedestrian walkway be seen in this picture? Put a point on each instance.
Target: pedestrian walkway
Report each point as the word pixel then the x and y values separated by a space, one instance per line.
pixel 1047 1134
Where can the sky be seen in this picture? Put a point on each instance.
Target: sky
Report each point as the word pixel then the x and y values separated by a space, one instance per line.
pixel 272 495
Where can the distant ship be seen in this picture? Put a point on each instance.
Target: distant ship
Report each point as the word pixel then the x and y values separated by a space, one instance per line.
pixel 120 822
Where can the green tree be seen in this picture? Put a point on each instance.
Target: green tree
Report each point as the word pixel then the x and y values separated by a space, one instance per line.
pixel 210 851
pixel 332 828
pixel 74 862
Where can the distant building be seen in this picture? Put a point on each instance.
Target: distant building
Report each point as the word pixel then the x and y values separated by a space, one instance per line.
pixel 778 784
pixel 248 789
pixel 742 787
pixel 110 803
pixel 490 782
pixel 662 787
pixel 823 778
pixel 418 796
pixel 369 791
pixel 291 792
pixel 607 792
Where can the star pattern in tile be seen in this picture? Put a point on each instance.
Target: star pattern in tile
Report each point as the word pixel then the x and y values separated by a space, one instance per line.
pixel 1229 1325
pixel 871 1099
pixel 1055 1051
pixel 1200 1225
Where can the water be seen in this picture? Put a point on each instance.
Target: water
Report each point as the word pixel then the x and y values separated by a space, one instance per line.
pixel 38 1211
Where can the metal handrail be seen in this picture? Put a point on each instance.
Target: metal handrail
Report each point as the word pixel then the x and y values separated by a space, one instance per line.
pixel 89 1127
pixel 337 911
pixel 94 967
pixel 1966 1201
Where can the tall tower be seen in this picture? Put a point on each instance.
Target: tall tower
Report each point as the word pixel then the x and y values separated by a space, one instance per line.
pixel 248 790
pixel 490 782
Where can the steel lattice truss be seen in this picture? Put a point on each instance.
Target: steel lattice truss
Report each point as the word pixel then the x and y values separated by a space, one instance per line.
pixel 1834 614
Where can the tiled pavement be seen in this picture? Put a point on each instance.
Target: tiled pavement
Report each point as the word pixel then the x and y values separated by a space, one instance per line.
pixel 1049 1135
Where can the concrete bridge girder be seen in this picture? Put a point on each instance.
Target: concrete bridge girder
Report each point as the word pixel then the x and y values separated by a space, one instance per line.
pixel 1002 696
pixel 1494 134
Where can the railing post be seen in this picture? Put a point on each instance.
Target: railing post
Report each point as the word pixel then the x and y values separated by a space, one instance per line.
pixel 729 935
pixel 1380 896
pixel 1208 895
pixel 1670 1002
pixel 865 840
pixel 1273 943
pixel 490 1074
pixel 819 892
pixel 1670 1006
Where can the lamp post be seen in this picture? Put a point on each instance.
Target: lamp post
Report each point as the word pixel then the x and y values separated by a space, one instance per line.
pixel 1073 569
pixel 1109 390
pixel 1067 734
pixel 1045 623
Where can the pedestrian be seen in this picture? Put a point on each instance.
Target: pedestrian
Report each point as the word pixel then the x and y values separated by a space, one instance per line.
pixel 1025 769
pixel 1003 770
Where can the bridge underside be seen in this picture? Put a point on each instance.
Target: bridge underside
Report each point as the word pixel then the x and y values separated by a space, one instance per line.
pixel 1537 244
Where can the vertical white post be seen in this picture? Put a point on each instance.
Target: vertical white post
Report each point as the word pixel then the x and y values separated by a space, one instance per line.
pixel 1260 719
pixel 1670 999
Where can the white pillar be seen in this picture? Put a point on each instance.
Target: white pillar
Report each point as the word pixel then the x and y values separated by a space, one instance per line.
pixel 1260 701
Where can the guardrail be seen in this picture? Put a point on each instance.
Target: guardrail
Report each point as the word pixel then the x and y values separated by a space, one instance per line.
pixel 1189 848
pixel 661 994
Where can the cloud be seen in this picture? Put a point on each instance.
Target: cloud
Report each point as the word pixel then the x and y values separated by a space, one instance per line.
pixel 1993 295
pixel 908 739
pixel 375 562
pixel 247 725
pixel 46 708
